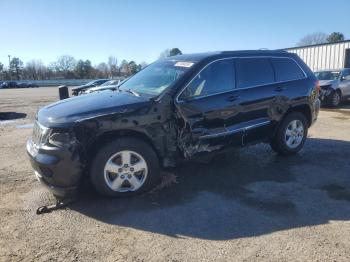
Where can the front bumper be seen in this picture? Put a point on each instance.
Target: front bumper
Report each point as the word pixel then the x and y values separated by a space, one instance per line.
pixel 59 169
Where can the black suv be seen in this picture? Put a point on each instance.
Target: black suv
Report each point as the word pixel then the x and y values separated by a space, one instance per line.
pixel 183 107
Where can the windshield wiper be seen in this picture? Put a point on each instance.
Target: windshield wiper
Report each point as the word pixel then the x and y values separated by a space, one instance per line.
pixel 131 92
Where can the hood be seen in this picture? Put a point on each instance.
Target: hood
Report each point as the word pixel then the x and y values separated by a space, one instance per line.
pixel 79 108
pixel 327 82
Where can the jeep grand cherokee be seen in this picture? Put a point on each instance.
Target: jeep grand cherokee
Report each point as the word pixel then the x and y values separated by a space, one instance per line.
pixel 176 109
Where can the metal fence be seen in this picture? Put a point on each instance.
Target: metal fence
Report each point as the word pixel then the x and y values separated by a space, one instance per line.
pixel 57 82
pixel 324 56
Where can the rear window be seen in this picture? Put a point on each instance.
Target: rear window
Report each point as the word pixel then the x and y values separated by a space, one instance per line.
pixel 254 72
pixel 286 69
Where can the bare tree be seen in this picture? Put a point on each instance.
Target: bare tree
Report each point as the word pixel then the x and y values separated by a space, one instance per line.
pixel 35 70
pixel 313 39
pixel 30 70
pixel 65 64
pixel 67 67
pixel 113 65
pixel 103 70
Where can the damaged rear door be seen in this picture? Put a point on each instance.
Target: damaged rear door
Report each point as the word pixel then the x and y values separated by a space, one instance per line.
pixel 205 108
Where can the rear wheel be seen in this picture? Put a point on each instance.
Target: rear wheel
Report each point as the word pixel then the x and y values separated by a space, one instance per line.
pixel 291 134
pixel 125 167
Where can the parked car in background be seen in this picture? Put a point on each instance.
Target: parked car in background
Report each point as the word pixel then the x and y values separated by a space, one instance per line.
pixel 112 84
pixel 79 89
pixel 180 108
pixel 22 85
pixel 335 85
pixel 27 85
pixel 9 84
pixel 32 85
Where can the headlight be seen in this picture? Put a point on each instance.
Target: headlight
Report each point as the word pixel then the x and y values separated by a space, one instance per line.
pixel 60 139
pixel 40 134
pixel 55 137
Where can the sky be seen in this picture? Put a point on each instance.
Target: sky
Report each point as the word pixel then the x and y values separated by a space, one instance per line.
pixel 140 30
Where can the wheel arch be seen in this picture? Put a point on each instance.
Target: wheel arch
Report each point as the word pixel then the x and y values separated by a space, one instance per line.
pixel 339 90
pixel 304 109
pixel 108 136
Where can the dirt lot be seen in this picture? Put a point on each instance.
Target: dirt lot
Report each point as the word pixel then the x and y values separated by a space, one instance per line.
pixel 255 206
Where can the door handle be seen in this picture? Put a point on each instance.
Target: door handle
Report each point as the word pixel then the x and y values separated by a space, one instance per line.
pixel 279 89
pixel 232 98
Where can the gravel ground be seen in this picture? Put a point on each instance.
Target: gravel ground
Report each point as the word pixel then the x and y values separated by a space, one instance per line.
pixel 251 206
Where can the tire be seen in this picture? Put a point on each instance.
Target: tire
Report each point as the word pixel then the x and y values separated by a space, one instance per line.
pixel 285 144
pixel 111 176
pixel 335 98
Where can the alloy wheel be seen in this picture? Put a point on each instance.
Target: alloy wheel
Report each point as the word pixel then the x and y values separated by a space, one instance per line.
pixel 294 134
pixel 125 171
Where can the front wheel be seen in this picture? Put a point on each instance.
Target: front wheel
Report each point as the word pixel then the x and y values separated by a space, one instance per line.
pixel 335 98
pixel 291 134
pixel 125 167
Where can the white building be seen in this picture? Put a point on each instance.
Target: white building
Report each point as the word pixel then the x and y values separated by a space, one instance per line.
pixel 324 56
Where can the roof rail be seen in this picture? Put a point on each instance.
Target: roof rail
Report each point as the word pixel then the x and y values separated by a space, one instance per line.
pixel 254 51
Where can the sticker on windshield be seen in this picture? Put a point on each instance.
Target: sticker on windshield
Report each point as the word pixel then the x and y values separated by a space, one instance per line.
pixel 184 64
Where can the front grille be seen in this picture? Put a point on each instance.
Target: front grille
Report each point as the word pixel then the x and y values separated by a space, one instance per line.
pixel 40 134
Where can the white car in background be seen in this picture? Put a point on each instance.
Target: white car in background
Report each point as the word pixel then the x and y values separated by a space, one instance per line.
pixel 335 85
pixel 112 84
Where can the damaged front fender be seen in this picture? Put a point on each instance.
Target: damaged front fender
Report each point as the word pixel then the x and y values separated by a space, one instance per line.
pixel 152 123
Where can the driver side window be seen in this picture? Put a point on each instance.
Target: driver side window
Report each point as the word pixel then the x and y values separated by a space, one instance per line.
pixel 217 77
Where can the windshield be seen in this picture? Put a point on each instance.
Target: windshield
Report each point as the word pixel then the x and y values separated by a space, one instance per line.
pixel 155 78
pixel 327 75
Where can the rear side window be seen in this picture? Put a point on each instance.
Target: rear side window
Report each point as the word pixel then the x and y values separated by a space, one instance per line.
pixel 286 69
pixel 216 78
pixel 254 72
